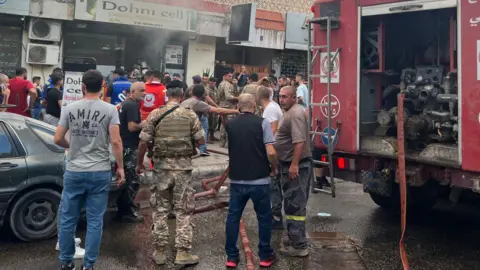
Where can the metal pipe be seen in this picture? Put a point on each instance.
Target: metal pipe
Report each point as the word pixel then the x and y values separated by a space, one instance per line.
pixel 217 152
pixel 207 181
pixel 246 246
pixel 207 208
pixel 329 89
pixel 205 193
pixel 223 177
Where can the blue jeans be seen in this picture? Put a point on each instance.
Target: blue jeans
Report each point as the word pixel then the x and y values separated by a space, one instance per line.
pixel 89 189
pixel 204 121
pixel 239 196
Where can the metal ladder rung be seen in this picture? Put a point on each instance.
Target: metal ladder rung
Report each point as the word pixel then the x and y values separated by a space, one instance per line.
pixel 329 192
pixel 318 47
pixel 319 162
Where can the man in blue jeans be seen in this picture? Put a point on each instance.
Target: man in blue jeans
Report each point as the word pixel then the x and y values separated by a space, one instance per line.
pixel 252 160
pixel 91 123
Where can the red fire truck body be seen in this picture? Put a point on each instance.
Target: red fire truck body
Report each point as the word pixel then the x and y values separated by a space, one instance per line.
pixel 427 49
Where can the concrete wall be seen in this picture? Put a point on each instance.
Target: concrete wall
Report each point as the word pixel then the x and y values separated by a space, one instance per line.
pixel 201 56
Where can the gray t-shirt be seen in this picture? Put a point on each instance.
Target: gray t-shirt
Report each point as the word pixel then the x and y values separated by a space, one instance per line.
pixel 88 122
pixel 198 106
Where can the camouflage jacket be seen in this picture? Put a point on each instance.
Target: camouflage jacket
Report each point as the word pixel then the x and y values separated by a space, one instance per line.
pixel 226 95
pixel 252 90
pixel 150 133
pixel 212 93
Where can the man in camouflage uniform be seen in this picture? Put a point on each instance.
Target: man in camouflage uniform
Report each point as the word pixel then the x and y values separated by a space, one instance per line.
pixel 173 130
pixel 251 88
pixel 228 100
pixel 212 117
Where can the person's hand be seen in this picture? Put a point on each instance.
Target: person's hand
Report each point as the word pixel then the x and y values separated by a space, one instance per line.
pixel 293 172
pixel 274 173
pixel 120 177
pixel 140 169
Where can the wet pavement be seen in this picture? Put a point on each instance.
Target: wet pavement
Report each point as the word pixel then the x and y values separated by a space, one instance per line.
pixel 443 239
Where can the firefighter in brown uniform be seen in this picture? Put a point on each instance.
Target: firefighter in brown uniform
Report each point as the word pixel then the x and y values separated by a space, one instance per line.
pixel 174 131
pixel 252 88
pixel 228 100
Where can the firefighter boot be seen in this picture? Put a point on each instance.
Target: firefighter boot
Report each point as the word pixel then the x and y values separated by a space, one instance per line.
pixel 159 256
pixel 185 258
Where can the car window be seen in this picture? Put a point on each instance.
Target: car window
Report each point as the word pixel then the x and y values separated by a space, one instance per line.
pixel 6 146
pixel 46 135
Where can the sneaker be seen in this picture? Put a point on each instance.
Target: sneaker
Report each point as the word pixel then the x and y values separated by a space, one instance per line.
pixel 268 262
pixel 277 224
pixel 78 241
pixel 231 263
pixel 83 268
pixel 205 154
pixel 69 266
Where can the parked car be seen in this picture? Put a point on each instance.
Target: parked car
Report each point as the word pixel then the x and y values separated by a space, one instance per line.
pixel 31 177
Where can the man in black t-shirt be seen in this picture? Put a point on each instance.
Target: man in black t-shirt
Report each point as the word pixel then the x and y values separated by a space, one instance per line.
pixel 130 127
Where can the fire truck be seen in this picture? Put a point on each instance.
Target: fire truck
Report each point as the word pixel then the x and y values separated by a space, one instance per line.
pixel 395 97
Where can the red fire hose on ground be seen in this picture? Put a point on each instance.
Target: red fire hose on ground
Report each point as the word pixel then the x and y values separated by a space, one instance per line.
pixel 402 177
pixel 209 191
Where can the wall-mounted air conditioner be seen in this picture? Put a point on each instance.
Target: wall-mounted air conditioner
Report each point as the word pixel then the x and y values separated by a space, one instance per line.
pixel 47 30
pixel 41 54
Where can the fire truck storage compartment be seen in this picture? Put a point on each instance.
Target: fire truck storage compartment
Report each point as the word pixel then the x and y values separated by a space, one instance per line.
pixel 414 52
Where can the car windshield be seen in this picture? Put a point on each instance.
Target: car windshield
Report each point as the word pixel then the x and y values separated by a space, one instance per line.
pixel 45 134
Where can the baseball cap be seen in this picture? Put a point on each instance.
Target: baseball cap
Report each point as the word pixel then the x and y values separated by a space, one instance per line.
pixel 197 79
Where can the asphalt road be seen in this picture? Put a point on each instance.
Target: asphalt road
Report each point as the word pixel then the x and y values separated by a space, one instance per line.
pixel 442 239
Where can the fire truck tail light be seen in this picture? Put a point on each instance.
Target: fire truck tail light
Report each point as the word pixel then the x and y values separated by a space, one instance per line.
pixel 324 158
pixel 341 163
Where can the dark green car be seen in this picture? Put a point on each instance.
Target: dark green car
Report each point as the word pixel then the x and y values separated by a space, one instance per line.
pixel 31 177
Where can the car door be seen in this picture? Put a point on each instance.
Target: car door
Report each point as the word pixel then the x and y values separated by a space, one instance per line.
pixel 13 168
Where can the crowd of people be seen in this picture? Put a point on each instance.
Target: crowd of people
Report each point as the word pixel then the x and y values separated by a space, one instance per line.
pixel 262 121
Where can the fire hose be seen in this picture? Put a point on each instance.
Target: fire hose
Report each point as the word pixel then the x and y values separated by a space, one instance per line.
pixel 402 178
pixel 209 191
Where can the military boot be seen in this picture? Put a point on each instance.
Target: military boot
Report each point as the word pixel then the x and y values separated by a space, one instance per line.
pixel 159 256
pixel 185 258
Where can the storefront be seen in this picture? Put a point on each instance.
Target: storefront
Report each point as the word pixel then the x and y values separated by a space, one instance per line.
pixel 125 33
pixel 11 34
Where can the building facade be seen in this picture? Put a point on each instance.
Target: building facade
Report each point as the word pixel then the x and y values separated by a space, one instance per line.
pixel 183 36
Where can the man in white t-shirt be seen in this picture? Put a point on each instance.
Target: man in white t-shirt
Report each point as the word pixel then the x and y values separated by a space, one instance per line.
pixel 302 92
pixel 273 114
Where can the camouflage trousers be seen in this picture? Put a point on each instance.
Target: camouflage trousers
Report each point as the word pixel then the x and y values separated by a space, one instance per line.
pixel 177 186
pixel 125 201
pixel 223 132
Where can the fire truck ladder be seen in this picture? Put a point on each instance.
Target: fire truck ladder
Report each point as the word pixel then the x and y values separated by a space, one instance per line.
pixel 325 23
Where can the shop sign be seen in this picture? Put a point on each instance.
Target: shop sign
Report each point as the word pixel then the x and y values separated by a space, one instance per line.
pixel 16 7
pixel 139 13
pixel 72 87
pixel 214 25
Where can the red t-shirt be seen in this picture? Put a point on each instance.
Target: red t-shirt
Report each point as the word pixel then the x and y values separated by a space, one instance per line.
pixel 19 87
pixel 154 98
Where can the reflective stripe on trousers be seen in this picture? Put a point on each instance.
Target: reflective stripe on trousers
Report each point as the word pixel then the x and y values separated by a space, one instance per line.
pixel 296 193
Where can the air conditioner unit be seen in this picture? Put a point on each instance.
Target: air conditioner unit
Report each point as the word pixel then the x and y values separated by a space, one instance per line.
pixel 47 30
pixel 41 54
